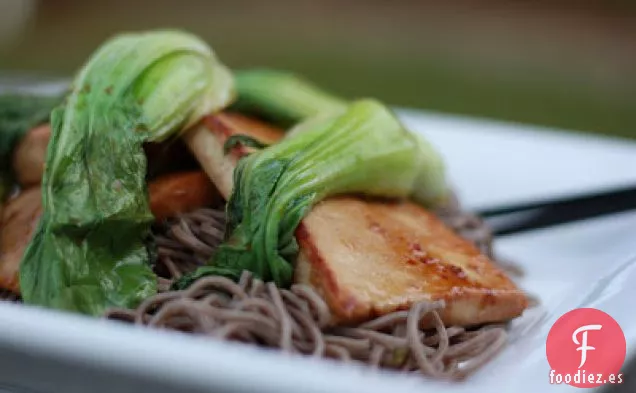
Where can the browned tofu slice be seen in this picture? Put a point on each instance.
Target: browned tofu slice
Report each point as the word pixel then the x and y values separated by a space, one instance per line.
pixel 207 139
pixel 368 258
pixel 30 154
pixel 19 222
pixel 181 192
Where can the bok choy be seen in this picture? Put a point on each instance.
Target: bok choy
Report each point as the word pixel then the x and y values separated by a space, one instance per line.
pixel 282 97
pixel 363 150
pixel 288 100
pixel 88 252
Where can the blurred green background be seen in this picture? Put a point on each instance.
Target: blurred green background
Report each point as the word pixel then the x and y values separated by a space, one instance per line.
pixel 567 64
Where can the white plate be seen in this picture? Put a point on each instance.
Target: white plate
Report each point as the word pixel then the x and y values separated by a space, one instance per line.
pixel 586 263
pixel 496 163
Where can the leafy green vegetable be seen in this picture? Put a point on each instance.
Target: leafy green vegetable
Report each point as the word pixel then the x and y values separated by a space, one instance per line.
pixel 88 252
pixel 282 97
pixel 241 139
pixel 18 114
pixel 430 187
pixel 399 357
pixel 365 150
pixel 288 99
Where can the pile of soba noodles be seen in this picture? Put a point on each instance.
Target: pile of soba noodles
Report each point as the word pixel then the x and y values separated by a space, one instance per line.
pixel 296 320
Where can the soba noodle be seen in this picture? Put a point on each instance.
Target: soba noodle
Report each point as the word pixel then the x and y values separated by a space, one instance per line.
pixel 296 320
pixel 188 241
pixel 472 227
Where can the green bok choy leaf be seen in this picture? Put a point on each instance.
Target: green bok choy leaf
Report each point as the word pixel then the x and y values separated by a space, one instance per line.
pixel 287 99
pixel 363 150
pixel 282 97
pixel 88 252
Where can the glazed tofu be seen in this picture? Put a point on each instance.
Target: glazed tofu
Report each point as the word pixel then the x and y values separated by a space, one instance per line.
pixel 369 258
pixel 30 154
pixel 181 192
pixel 19 222
pixel 207 139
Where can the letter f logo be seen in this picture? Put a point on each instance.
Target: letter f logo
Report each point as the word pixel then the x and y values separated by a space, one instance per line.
pixel 584 347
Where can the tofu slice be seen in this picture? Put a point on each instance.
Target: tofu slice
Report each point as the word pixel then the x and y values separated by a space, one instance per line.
pixel 30 154
pixel 369 258
pixel 206 142
pixel 181 192
pixel 19 221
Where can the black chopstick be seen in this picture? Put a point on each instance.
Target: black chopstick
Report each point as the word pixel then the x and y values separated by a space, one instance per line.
pixel 507 220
